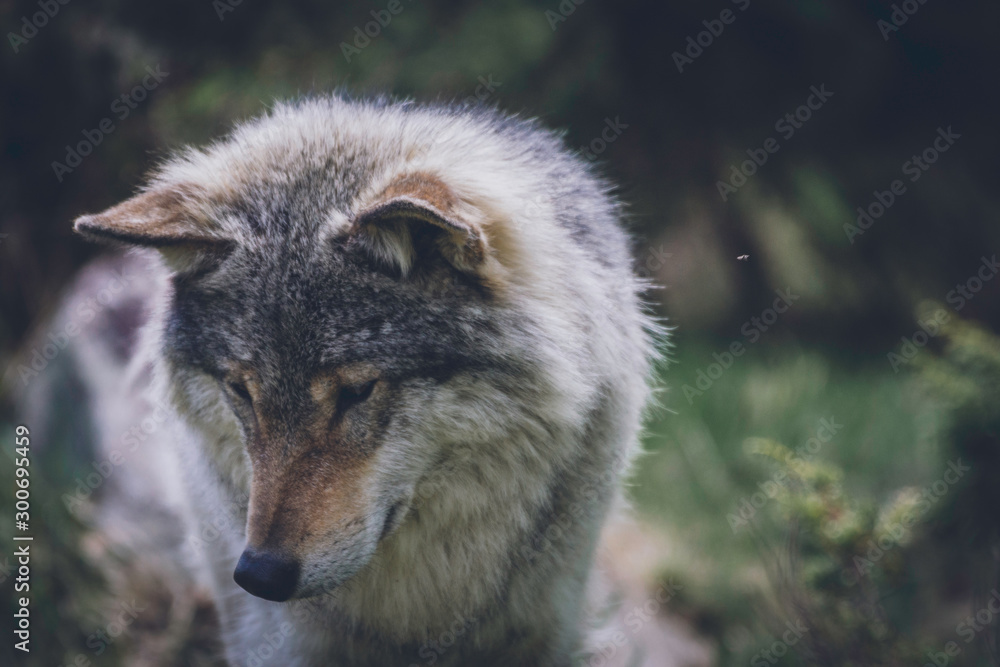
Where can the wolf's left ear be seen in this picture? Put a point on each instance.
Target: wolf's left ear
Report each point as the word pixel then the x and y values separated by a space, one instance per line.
pixel 160 217
pixel 419 212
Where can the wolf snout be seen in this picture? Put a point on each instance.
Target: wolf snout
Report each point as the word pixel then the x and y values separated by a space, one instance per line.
pixel 267 575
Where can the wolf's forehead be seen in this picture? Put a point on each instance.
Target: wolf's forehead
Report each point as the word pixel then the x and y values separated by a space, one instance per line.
pixel 285 199
pixel 309 295
pixel 285 311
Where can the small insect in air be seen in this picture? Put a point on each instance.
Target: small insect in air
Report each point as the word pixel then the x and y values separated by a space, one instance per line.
pixel 743 258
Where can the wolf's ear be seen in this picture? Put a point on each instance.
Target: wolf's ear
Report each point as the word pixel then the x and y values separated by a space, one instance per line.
pixel 159 218
pixel 417 214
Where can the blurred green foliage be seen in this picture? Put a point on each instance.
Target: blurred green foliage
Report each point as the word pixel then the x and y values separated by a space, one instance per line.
pixel 880 535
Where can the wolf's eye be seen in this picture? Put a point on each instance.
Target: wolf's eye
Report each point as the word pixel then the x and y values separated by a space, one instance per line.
pixel 239 390
pixel 354 395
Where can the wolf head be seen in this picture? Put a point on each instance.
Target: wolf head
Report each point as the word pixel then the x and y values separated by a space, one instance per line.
pixel 358 288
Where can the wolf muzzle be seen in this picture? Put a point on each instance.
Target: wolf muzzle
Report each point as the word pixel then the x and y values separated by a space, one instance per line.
pixel 267 575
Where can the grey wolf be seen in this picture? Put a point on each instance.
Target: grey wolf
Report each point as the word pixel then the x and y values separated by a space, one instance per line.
pixel 407 360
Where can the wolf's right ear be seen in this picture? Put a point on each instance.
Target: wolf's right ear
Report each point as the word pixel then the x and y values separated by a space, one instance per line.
pixel 158 218
pixel 419 206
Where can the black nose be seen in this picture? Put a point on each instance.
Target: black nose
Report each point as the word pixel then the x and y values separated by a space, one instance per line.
pixel 266 575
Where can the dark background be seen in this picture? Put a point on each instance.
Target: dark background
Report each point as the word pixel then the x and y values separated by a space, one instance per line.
pixel 605 60
pixel 681 133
